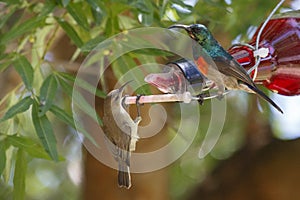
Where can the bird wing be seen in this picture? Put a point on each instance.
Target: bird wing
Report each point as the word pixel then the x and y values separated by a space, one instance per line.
pixel 232 68
pixel 124 156
pixel 123 144
pixel 120 140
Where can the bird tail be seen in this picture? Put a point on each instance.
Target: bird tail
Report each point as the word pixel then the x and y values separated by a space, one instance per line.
pixel 124 179
pixel 262 95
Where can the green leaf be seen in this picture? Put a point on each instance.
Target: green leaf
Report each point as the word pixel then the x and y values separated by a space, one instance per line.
pixel 144 90
pixel 83 84
pixel 25 70
pixel 147 19
pixel 70 32
pixel 98 10
pixel 142 6
pixel 153 52
pixel 79 100
pixel 5 18
pixel 48 8
pixel 2 157
pixel 19 107
pixel 146 8
pixel 20 29
pixel 6 60
pixel 65 2
pixel 33 148
pixel 91 44
pixel 68 119
pixel 123 65
pixel 77 11
pixel 12 2
pixel 63 115
pixel 67 88
pixel 47 93
pixel 44 131
pixel 4 65
pixel 20 175
pixel 112 26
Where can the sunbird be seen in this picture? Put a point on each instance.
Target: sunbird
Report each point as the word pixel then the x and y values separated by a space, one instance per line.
pixel 227 72
pixel 122 132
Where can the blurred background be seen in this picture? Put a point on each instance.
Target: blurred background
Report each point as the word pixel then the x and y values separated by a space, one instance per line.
pixel 256 156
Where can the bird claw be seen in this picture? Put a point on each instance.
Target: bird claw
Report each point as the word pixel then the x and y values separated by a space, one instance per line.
pixel 138 104
pixel 220 96
pixel 124 105
pixel 200 99
pixel 138 119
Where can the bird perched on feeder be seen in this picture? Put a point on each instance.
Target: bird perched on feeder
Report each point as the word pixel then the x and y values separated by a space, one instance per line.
pixel 121 131
pixel 227 72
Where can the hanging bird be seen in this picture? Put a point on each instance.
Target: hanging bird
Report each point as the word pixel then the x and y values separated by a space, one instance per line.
pixel 227 72
pixel 122 132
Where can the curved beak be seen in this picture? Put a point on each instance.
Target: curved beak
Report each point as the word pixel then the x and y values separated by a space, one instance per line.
pixel 182 26
pixel 121 89
pixel 187 28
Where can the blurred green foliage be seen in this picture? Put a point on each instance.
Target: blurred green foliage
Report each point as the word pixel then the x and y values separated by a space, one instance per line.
pixel 29 145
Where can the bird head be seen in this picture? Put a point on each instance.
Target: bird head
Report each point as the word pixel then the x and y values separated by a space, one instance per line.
pixel 116 95
pixel 197 32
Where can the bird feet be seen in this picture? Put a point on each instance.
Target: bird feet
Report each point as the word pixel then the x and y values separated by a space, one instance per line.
pixel 138 104
pixel 220 96
pixel 123 101
pixel 200 99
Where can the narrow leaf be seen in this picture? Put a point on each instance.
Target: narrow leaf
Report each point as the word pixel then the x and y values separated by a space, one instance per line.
pixel 67 88
pixel 70 32
pixel 2 157
pixel 153 52
pixel 20 175
pixel 48 8
pixel 78 13
pixel 91 44
pixel 68 119
pixel 4 65
pixel 62 115
pixel 19 107
pixel 33 148
pixel 44 131
pixel 65 2
pixel 143 6
pixel 98 10
pixel 78 99
pixel 20 29
pixel 112 26
pixel 6 60
pixel 47 93
pixel 147 12
pixel 25 70
pixel 5 18
pixel 84 85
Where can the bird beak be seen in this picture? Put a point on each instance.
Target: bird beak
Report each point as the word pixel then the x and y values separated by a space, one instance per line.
pixel 121 89
pixel 182 26
pixel 185 27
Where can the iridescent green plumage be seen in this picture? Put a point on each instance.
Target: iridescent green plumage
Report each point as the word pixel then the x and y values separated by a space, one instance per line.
pixel 227 72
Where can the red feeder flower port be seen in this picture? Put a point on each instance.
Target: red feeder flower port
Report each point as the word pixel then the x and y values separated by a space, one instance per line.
pixel 280 70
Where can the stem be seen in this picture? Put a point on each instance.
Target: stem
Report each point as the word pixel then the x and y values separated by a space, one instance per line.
pixel 50 41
